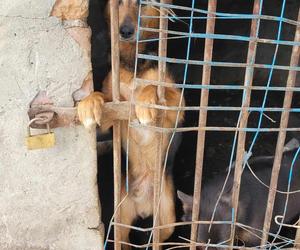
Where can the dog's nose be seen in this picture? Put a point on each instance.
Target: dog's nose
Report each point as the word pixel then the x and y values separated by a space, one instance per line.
pixel 126 31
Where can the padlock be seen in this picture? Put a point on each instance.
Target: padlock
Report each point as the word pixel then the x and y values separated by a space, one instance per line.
pixel 40 141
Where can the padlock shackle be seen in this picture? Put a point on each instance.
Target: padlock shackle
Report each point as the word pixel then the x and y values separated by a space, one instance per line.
pixel 34 120
pixel 48 127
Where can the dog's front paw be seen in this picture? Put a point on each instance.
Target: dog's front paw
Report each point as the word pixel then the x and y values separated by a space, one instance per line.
pixel 146 96
pixel 90 109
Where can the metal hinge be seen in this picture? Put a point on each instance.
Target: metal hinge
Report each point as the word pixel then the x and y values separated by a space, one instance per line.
pixel 41 106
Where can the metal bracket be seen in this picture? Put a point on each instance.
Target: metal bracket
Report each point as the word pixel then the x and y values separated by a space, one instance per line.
pixel 41 106
pixel 67 116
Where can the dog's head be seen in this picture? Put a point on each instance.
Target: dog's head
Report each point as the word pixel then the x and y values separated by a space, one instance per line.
pixel 128 19
pixel 218 232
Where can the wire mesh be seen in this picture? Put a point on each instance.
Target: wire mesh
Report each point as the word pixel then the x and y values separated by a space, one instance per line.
pixel 252 119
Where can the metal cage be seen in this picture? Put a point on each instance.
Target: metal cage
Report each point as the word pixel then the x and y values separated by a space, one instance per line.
pixel 240 151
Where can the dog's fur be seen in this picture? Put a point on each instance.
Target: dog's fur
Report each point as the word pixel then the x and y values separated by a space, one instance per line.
pixel 143 150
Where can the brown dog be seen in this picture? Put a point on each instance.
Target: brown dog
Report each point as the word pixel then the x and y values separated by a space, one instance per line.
pixel 143 151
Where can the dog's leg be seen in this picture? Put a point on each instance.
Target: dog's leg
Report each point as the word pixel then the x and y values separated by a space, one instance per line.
pixel 146 96
pixel 90 108
pixel 128 215
pixel 147 115
pixel 167 209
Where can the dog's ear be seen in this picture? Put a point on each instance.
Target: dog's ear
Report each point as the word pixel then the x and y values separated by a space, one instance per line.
pixel 187 201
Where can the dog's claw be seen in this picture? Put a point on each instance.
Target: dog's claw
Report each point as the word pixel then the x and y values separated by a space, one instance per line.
pixel 90 109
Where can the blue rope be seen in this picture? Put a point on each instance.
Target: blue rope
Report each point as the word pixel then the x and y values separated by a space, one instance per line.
pixel 269 81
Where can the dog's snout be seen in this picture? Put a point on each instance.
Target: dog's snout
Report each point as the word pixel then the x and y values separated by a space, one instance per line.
pixel 127 31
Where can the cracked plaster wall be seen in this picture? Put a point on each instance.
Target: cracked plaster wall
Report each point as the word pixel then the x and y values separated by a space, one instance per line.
pixel 48 198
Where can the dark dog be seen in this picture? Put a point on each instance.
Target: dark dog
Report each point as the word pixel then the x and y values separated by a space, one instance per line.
pixel 252 202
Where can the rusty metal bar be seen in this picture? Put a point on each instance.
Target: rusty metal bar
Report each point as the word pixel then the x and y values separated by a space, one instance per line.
pixel 236 16
pixel 162 51
pixel 67 116
pixel 115 67
pixel 210 28
pixel 181 245
pixel 281 136
pixel 244 118
pixel 216 63
pixel 218 129
pixel 214 108
pixel 143 82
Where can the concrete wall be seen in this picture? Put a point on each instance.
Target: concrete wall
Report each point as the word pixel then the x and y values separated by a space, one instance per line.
pixel 48 198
